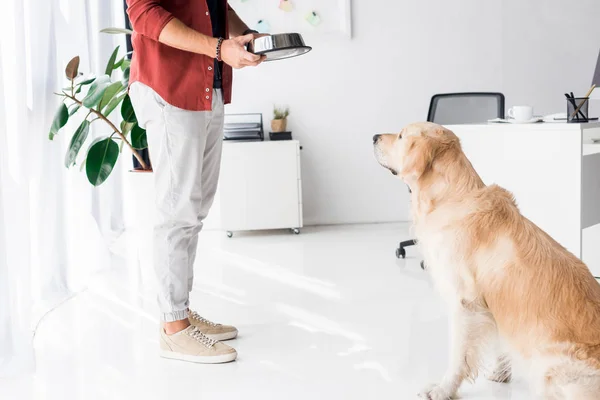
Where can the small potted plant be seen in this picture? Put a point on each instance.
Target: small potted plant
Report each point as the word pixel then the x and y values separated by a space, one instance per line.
pixel 279 122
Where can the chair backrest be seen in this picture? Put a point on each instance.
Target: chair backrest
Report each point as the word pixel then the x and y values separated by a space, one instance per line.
pixel 465 108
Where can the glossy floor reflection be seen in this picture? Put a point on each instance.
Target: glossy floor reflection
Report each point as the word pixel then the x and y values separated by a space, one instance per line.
pixel 328 314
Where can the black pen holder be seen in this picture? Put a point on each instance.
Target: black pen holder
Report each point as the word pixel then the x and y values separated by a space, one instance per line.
pixel 578 109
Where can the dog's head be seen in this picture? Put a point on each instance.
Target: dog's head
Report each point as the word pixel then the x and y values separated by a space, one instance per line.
pixel 412 152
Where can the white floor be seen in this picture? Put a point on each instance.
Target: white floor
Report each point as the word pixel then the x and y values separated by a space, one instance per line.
pixel 328 314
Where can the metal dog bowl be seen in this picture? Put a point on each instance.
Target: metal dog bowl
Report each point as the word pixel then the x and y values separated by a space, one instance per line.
pixel 279 46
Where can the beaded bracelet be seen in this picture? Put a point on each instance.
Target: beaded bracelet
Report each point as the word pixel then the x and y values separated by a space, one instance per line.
pixel 219 43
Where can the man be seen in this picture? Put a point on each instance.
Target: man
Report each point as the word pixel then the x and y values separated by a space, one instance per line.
pixel 180 80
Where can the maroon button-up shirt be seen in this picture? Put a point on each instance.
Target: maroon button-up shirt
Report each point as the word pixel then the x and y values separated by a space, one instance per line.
pixel 180 77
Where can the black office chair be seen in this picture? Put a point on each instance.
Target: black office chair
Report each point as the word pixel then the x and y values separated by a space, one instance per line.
pixel 460 108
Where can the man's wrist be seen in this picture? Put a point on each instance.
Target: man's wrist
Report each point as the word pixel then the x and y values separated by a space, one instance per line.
pixel 218 54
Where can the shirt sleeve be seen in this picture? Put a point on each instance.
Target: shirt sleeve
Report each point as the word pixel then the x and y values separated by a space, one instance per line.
pixel 148 17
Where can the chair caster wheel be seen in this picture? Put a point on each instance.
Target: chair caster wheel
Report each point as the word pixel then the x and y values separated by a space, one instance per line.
pixel 296 231
pixel 229 234
pixel 400 252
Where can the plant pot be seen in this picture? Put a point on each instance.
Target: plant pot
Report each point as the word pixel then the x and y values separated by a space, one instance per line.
pixel 279 125
pixel 280 135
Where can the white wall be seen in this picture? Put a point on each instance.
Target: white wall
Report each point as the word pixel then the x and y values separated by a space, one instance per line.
pixel 401 53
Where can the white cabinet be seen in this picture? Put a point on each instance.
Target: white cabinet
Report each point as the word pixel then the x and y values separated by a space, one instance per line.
pixel 260 186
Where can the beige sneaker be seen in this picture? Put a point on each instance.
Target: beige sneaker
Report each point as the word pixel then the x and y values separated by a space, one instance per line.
pixel 210 329
pixel 192 345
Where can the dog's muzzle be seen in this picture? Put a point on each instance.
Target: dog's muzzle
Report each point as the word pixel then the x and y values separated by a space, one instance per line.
pixel 376 139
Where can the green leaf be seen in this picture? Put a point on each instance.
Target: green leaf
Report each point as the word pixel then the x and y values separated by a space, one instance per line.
pixel 138 138
pixel 126 127
pixel 74 110
pixel 113 104
pixel 125 65
pixel 126 77
pixel 87 81
pixel 96 140
pixel 96 91
pixel 72 67
pixel 110 92
pixel 118 63
pixel 101 159
pixel 127 111
pixel 111 61
pixel 77 141
pixel 117 31
pixel 80 85
pixel 60 119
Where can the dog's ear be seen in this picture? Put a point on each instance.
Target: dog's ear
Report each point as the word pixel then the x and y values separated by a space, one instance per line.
pixel 422 150
pixel 418 157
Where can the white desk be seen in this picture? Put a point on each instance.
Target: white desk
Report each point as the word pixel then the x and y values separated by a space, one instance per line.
pixel 552 169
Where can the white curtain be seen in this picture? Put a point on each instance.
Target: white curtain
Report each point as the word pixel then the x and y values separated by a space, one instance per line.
pixel 55 228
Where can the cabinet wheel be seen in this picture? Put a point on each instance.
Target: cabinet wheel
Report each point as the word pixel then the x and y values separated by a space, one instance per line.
pixel 296 231
pixel 400 252
pixel 229 234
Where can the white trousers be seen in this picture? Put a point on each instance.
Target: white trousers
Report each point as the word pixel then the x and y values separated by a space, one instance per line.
pixel 185 151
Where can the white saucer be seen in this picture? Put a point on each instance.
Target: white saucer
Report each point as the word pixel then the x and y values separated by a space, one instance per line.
pixel 530 121
pixel 513 121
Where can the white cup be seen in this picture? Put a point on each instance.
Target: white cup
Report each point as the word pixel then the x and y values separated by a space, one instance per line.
pixel 521 113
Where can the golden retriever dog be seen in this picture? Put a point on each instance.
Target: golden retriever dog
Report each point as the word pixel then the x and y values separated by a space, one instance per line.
pixel 511 288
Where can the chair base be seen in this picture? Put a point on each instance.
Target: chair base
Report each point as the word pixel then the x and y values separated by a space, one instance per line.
pixel 401 251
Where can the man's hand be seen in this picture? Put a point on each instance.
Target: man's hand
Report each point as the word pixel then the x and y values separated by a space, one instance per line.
pixel 234 53
pixel 257 35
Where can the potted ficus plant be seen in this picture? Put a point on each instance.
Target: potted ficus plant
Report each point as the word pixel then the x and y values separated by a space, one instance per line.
pixel 97 97
pixel 279 122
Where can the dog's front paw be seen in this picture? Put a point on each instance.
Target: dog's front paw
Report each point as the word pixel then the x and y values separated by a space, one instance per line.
pixel 435 392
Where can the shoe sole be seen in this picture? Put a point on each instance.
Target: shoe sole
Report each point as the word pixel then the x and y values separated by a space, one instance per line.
pixel 223 336
pixel 224 358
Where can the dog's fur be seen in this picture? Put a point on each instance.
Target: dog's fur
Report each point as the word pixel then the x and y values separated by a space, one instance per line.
pixel 505 279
